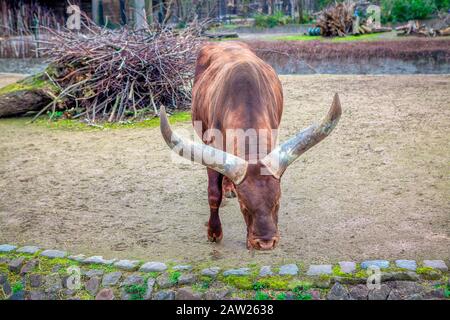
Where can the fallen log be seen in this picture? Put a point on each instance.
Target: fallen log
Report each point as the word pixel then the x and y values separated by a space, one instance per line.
pixel 30 94
pixel 444 32
pixel 224 35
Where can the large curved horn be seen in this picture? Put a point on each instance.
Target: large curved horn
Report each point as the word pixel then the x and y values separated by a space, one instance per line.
pixel 225 163
pixel 282 156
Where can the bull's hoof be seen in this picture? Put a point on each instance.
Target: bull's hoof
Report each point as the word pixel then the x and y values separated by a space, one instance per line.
pixel 230 194
pixel 215 236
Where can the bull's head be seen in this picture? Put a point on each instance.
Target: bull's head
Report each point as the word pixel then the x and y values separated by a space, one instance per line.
pixel 257 185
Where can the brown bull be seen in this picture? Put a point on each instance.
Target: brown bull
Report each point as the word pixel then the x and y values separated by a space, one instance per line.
pixel 235 90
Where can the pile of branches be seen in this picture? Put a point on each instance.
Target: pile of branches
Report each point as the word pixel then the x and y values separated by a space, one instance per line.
pixel 114 75
pixel 415 28
pixel 336 20
pixel 345 18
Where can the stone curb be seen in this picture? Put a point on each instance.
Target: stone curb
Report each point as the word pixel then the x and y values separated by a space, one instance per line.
pixel 292 269
pixel 343 272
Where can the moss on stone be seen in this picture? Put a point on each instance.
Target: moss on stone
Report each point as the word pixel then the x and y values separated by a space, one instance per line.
pixel 305 285
pixel 337 271
pixel 240 282
pixel 275 282
pixel 36 82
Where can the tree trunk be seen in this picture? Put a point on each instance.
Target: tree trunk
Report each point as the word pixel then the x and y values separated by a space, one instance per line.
pixel 300 11
pixel 139 14
pixel 29 94
pixel 19 102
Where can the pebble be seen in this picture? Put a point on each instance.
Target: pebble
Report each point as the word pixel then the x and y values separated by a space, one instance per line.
pixel 78 257
pixel 35 280
pixel 16 264
pixel 347 266
pixel 399 275
pixel 185 279
pixel 134 279
pixel 153 267
pixel 338 292
pixel 105 294
pixel 265 271
pixel 182 268
pixel 436 264
pixel 319 269
pixel 93 273
pixel 92 286
pixel 7 248
pixel 99 260
pixel 28 249
pixel 381 293
pixel 382 264
pixel 359 292
pixel 163 281
pixel 187 294
pixel 53 283
pixel 28 267
pixel 165 295
pixel 111 279
pixel 150 285
pixel 53 254
pixel 288 269
pixel 406 264
pixel 211 272
pixel 37 295
pixel 128 265
pixel 237 272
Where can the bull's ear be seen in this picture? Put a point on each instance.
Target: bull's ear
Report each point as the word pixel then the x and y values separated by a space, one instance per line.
pixel 223 162
pixel 282 156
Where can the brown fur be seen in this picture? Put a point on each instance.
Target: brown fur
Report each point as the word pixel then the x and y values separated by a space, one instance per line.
pixel 234 89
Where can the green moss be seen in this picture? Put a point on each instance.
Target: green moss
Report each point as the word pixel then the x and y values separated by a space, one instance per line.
pixel 105 268
pixel 360 273
pixel 424 270
pixel 338 272
pixel 274 282
pixel 46 265
pixel 281 296
pixel 152 274
pixel 240 282
pixel 429 273
pixel 83 295
pixel 136 291
pixel 259 295
pixel 35 82
pixel 301 293
pixel 203 284
pixel 299 285
pixel 174 276
pixel 17 286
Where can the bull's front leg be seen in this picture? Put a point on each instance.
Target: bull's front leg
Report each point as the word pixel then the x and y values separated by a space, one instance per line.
pixel 214 198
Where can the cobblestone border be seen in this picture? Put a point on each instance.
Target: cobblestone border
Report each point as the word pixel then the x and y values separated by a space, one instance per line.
pixel 32 273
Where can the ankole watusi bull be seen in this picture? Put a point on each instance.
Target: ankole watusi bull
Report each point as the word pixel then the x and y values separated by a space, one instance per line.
pixel 234 89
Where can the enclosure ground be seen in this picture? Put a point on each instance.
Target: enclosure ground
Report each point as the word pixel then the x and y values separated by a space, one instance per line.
pixel 377 187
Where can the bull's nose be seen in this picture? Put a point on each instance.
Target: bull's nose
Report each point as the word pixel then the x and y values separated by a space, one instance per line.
pixel 265 244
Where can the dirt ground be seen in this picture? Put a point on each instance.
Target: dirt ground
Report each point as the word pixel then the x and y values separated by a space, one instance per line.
pixel 7 78
pixel 378 187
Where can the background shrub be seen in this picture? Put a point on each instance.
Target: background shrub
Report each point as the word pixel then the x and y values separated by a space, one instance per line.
pixel 270 21
pixel 405 10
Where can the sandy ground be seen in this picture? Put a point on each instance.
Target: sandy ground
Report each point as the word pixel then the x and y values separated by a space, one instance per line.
pixel 379 187
pixel 7 78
